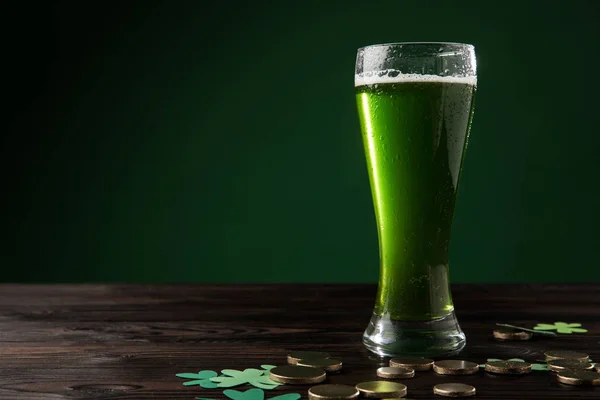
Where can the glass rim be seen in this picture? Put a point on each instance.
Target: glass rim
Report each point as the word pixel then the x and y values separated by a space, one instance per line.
pixel 390 44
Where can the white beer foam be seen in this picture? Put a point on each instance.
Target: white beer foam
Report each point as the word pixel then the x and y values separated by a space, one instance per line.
pixel 394 76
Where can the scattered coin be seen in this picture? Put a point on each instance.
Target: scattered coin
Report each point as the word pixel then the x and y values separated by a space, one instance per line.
pixel 455 367
pixel 511 334
pixel 416 363
pixel 559 354
pixel 295 356
pixel 382 389
pixel 567 363
pixel 395 372
pixel 295 374
pixel 333 392
pixel 454 390
pixel 575 377
pixel 326 364
pixel 508 367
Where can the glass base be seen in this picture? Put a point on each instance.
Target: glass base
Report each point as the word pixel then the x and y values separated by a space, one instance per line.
pixel 434 338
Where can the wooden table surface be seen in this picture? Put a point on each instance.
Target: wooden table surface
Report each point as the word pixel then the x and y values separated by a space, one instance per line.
pixel 129 341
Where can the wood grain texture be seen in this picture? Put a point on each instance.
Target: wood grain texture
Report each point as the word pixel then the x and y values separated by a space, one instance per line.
pixel 129 341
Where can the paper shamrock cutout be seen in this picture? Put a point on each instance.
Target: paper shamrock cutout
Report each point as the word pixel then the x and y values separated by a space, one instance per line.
pixel 250 394
pixel 257 394
pixel 561 327
pixel 534 366
pixel 252 376
pixel 202 378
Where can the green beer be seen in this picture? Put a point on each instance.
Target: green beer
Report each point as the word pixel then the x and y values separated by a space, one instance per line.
pixel 415 130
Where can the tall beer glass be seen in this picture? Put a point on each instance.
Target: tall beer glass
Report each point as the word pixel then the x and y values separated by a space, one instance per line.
pixel 415 104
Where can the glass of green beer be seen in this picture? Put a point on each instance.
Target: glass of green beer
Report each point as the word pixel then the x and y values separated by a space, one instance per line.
pixel 415 104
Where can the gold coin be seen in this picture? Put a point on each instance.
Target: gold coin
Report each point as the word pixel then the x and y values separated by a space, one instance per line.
pixel 455 367
pixel 454 390
pixel 297 375
pixel 295 356
pixel 333 392
pixel 575 377
pixel 395 372
pixel 559 354
pixel 326 364
pixel 566 363
pixel 511 334
pixel 382 389
pixel 508 367
pixel 416 363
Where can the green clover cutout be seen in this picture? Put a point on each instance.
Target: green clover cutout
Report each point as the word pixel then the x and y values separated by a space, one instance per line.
pixel 252 376
pixel 561 327
pixel 250 394
pixel 256 394
pixel 534 366
pixel 202 378
pixel 288 396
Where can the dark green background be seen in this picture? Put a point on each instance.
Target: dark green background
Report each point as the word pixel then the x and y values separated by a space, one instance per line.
pixel 189 141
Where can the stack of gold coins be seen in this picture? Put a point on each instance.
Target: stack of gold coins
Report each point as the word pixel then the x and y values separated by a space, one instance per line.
pixel 578 377
pixel 326 364
pixel 333 392
pixel 566 354
pixel 572 367
pixel 455 367
pixel 454 390
pixel 395 372
pixel 508 367
pixel 416 363
pixel 297 375
pixel 566 363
